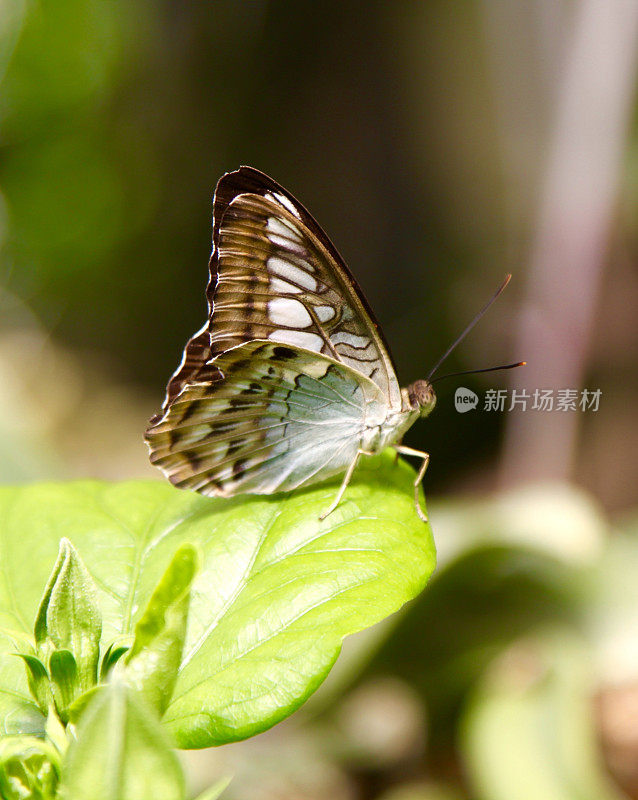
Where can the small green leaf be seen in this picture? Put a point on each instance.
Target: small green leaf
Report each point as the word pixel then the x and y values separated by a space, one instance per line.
pixel 69 615
pixel 154 658
pixel 38 679
pixel 113 654
pixel 75 710
pixel 121 752
pixel 172 588
pixel 29 768
pixel 55 732
pixel 40 627
pixel 64 678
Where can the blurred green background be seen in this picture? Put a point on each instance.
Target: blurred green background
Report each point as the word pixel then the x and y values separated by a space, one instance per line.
pixel 441 145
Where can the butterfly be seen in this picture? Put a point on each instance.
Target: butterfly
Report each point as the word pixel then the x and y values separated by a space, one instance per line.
pixel 290 380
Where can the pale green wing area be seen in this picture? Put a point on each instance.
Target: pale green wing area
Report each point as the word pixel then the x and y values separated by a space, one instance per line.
pixel 277 593
pixel 282 417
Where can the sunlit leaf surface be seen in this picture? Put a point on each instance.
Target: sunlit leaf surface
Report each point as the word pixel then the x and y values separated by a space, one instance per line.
pixel 277 592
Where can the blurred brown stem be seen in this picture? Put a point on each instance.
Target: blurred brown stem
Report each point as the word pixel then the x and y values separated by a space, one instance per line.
pixel 586 146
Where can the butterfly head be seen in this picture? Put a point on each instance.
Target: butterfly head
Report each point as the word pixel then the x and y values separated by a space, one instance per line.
pixel 421 397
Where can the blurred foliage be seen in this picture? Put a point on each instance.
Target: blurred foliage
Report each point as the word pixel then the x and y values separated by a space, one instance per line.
pixel 529 731
pixel 486 598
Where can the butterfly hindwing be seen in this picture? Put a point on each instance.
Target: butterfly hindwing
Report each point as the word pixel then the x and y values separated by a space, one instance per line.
pixel 275 418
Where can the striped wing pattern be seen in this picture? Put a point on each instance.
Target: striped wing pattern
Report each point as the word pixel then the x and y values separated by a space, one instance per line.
pixel 275 418
pixel 276 281
pixel 238 417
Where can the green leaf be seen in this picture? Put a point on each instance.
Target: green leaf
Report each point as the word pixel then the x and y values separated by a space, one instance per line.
pixel 29 768
pixel 56 732
pixel 69 615
pixel 121 751
pixel 276 593
pixel 38 679
pixel 75 710
pixel 40 627
pixel 113 654
pixel 153 660
pixel 64 677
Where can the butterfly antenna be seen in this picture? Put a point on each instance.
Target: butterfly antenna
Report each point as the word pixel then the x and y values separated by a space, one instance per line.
pixel 465 332
pixel 474 371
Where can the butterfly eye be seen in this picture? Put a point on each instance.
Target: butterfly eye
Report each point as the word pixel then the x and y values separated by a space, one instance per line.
pixel 422 397
pixel 429 401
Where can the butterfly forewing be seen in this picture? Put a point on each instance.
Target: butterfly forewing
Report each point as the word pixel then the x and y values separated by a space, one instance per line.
pixel 277 281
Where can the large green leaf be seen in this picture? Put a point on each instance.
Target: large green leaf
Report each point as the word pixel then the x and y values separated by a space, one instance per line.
pixel 277 591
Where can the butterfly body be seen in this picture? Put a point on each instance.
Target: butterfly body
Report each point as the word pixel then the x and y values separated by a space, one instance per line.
pixel 289 381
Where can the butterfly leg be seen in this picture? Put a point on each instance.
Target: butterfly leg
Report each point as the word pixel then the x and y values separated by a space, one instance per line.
pixel 345 482
pixel 425 457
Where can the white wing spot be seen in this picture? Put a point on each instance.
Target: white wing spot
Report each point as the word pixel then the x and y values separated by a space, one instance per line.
pixel 280 227
pixel 303 264
pixel 325 313
pixel 285 242
pixel 350 338
pixel 287 203
pixel 311 341
pixel 284 269
pixel 286 311
pixel 283 287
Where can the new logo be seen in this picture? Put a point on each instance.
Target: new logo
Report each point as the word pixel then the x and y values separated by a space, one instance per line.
pixel 465 400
